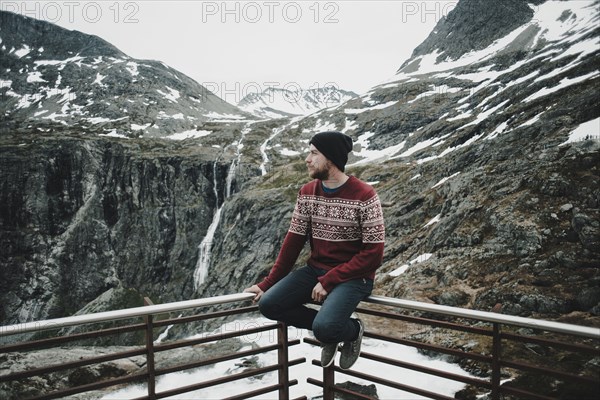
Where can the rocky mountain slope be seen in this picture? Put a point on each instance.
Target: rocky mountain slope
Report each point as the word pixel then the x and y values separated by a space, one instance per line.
pixel 486 157
pixel 51 77
pixel 481 153
pixel 281 102
pixel 484 148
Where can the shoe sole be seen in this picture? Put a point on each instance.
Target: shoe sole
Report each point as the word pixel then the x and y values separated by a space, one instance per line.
pixel 331 360
pixel 361 333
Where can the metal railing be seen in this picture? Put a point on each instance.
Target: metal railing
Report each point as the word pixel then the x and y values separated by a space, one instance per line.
pixel 499 335
pixel 150 348
pixel 588 385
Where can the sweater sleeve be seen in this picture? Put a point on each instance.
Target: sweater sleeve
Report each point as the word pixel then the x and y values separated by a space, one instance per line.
pixel 290 250
pixel 364 263
pixel 292 245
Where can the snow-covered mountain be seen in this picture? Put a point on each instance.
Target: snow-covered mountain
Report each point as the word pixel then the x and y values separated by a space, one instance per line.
pixel 486 145
pixel 52 78
pixel 465 86
pixel 484 149
pixel 279 102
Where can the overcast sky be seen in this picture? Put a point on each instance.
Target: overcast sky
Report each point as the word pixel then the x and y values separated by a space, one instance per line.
pixel 239 46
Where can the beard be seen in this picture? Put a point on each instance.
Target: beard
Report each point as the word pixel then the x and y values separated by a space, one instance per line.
pixel 321 173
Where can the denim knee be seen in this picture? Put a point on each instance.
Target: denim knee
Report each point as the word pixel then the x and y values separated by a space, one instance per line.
pixel 269 309
pixel 327 331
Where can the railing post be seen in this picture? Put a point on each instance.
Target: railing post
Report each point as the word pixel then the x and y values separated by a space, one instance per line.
pixel 328 382
pixel 283 361
pixel 496 351
pixel 150 352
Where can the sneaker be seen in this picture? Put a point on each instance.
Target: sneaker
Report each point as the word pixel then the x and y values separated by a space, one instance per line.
pixel 351 350
pixel 328 352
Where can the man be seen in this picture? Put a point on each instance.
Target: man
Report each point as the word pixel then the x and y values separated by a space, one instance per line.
pixel 342 219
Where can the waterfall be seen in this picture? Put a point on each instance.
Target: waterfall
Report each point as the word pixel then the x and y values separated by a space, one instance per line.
pixel 165 333
pixel 265 144
pixel 230 177
pixel 263 150
pixel 204 249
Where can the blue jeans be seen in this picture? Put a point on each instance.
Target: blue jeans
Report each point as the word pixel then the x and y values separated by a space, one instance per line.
pixel 331 323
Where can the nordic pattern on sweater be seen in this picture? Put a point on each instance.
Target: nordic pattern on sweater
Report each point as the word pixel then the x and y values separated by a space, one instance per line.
pixel 338 219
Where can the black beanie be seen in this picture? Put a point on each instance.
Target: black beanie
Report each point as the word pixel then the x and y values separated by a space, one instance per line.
pixel 333 145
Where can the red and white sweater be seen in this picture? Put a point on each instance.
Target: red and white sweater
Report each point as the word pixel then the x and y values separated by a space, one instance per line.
pixel 345 230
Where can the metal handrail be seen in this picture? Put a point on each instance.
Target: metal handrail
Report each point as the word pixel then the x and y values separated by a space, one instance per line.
pixel 148 311
pixel 36 326
pixel 551 326
pixel 495 359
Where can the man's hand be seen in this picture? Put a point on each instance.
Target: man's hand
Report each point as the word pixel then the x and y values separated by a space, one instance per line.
pixel 318 293
pixel 256 290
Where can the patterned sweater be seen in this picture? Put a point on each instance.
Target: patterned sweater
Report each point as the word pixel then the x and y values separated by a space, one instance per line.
pixel 345 230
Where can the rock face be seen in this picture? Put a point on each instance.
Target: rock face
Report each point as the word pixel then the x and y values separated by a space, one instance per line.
pixel 474 25
pixel 83 215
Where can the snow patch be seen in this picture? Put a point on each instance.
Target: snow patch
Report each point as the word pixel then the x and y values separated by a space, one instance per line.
pixel 369 156
pixel 433 220
pixel 436 91
pixel 484 115
pixel 288 153
pixel 137 127
pixel 101 120
pixel 350 126
pixel 522 79
pixel 400 270
pixel 173 94
pixel 35 76
pixel 377 107
pixel 97 120
pixel 164 115
pixel 499 129
pixel 98 80
pixel 566 82
pixel 590 129
pixel 321 126
pixel 417 147
pixel 132 67
pixel 224 117
pixel 460 116
pixel 531 121
pixel 22 52
pixel 192 134
pixel 114 134
pixel 444 180
pixel 546 17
